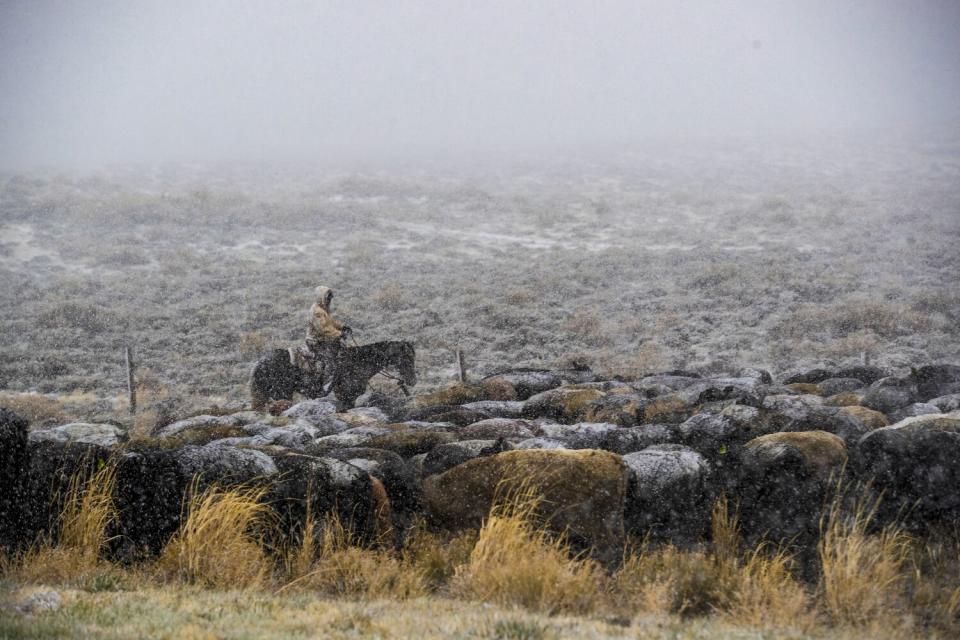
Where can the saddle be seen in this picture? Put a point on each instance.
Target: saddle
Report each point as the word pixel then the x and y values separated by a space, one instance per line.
pixel 319 371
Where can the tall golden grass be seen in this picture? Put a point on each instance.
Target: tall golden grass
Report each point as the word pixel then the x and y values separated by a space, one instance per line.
pixel 935 580
pixel 220 544
pixel 300 552
pixel 756 589
pixel 666 581
pixel 517 562
pixel 81 532
pixel 437 555
pixel 765 593
pixel 330 559
pixel 35 408
pixel 879 583
pixel 725 532
pixel 863 575
pixel 88 511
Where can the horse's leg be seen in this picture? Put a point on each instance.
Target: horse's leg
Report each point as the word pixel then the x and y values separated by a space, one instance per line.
pixel 258 399
pixel 343 403
pixel 311 385
pixel 346 394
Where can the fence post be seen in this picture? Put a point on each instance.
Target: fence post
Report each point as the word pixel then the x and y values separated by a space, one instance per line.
pixel 462 365
pixel 131 388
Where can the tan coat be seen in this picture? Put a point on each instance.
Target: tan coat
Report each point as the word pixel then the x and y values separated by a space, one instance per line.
pixel 322 327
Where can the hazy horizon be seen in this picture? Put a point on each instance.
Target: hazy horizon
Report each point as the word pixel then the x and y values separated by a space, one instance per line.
pixel 87 85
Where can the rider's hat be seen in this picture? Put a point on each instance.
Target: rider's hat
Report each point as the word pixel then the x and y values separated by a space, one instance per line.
pixel 323 295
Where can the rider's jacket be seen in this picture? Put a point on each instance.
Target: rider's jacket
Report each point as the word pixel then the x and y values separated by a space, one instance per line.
pixel 322 328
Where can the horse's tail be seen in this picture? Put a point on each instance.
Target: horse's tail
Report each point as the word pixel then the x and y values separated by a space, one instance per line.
pixel 258 389
pixel 265 376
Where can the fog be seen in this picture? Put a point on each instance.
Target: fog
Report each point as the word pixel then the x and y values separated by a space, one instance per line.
pixel 89 84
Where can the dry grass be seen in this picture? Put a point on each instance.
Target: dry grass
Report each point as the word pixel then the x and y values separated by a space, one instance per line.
pixel 766 594
pixel 253 344
pixel 934 582
pixel 649 358
pixel 154 405
pixel 882 584
pixel 587 325
pixel 36 408
pixel 516 562
pixel 855 344
pixel 330 560
pixel 757 590
pixel 725 531
pixel 863 575
pixel 82 537
pixel 862 319
pixel 300 551
pixel 520 297
pixel 670 581
pixel 390 297
pixel 220 543
pixel 437 555
pixel 174 612
pixel 667 581
pixel 299 554
pixel 88 510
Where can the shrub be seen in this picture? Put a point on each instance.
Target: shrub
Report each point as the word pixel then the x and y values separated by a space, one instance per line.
pixel 36 408
pixel 716 276
pixel 73 315
pixel 854 345
pixel 520 297
pixel 253 345
pixel 883 318
pixel 862 318
pixel 649 358
pixel 586 325
pixel 390 297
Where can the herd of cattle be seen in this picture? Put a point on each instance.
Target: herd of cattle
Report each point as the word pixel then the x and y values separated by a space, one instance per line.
pixel 608 458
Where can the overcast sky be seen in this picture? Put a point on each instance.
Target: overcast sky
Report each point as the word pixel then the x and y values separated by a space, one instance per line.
pixel 104 82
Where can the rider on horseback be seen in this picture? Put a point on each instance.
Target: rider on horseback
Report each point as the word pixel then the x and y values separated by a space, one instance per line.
pixel 320 354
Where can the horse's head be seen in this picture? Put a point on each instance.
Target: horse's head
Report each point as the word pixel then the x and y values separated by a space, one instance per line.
pixel 406 364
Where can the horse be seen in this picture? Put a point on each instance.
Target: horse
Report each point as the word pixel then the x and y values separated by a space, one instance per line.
pixel 275 377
